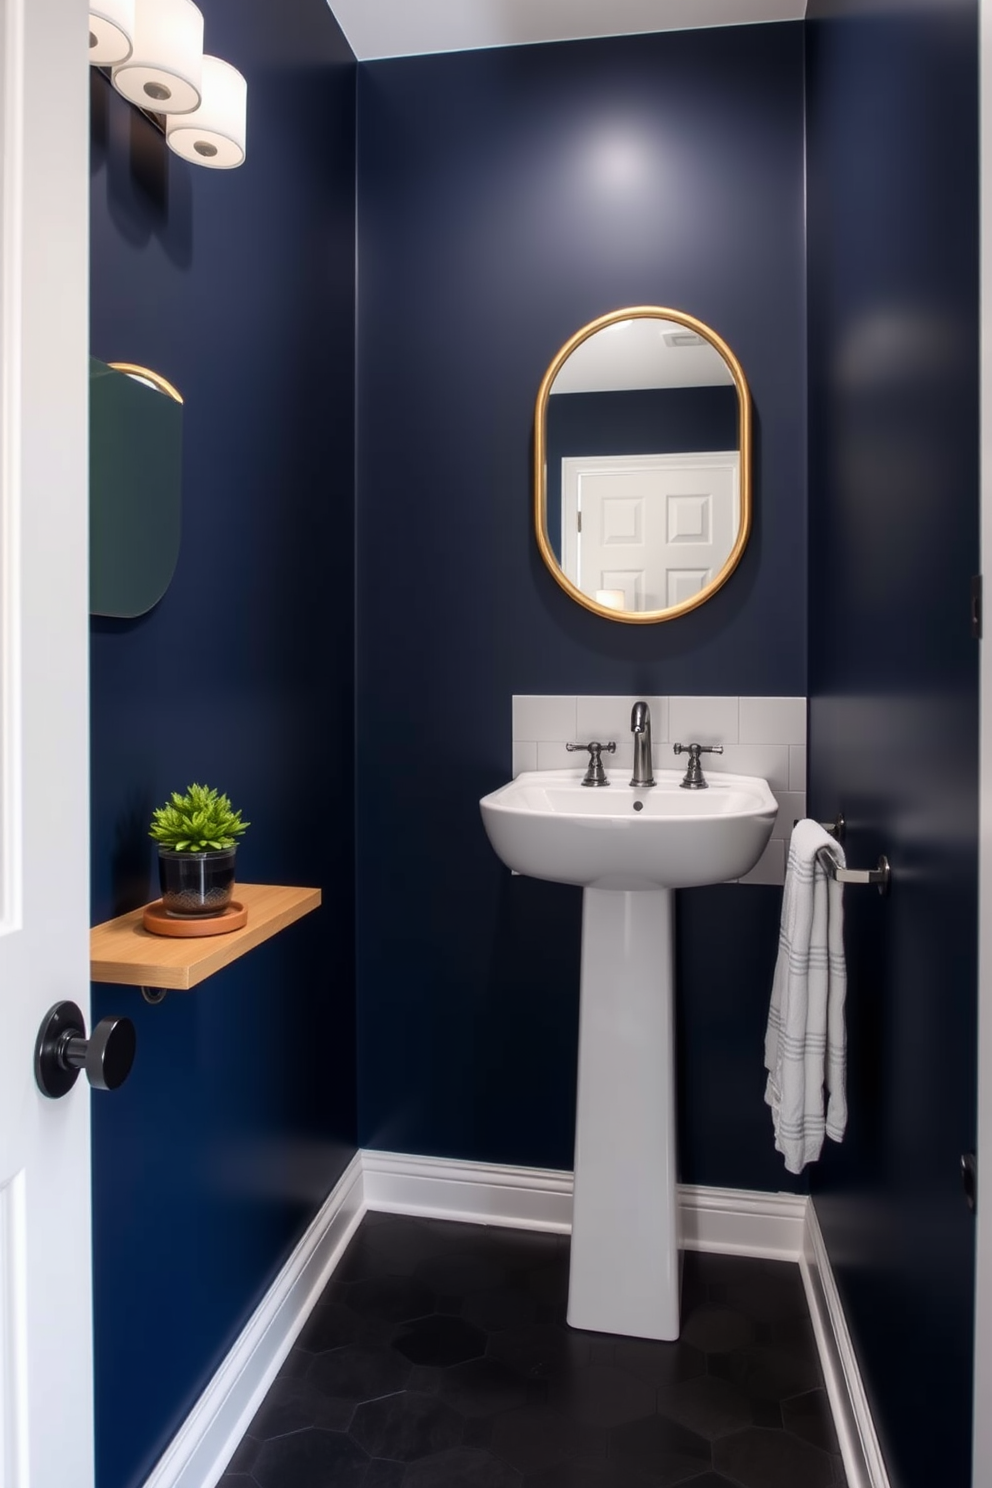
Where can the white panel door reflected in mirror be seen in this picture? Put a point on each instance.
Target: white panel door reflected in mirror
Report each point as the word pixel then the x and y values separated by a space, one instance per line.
pixel 642 465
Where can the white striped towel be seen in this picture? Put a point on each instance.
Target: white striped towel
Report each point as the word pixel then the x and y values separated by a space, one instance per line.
pixel 805 1043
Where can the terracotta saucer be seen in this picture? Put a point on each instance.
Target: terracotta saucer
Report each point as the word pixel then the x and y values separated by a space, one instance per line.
pixel 233 917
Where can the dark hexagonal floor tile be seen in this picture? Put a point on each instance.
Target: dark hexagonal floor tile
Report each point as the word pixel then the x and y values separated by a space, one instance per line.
pixel 587 1475
pixel 545 1351
pixel 717 1330
pixel 460 1273
pixel 440 1341
pixel 245 1456
pixel 358 1374
pixel 329 1326
pixel 711 1407
pixel 293 1404
pixel 501 1307
pixel 793 1334
pixel 402 1242
pixel 406 1426
pixel 484 1387
pixel 389 1299
pixel 360 1261
pixel 550 1284
pixel 808 1416
pixel 772 1459
pixel 767 1374
pixel 534 1438
pixel 463 1468
pixel 425 1379
pixel 661 1449
pixel 767 1298
pixel 662 1363
pixel 311 1459
pixel 439 1357
pixel 714 1480
pixel 603 1395
pixel 296 1364
pixel 384 1475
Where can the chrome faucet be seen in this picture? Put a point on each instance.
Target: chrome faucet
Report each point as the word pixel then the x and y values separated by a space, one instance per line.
pixel 694 775
pixel 640 723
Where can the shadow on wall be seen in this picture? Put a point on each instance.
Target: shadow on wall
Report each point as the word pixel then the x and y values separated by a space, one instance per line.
pixel 145 201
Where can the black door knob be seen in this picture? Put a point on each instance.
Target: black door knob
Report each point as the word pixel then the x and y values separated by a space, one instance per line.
pixel 63 1050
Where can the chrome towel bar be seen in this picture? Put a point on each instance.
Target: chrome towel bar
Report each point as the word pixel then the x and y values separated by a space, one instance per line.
pixel 879 876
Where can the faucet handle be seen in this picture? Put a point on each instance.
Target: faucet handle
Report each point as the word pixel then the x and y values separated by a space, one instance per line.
pixel 694 775
pixel 595 775
pixel 695 750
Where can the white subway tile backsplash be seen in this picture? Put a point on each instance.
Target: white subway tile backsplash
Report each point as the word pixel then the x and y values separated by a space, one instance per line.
pixel 771 761
pixel 770 867
pixel 797 767
pixel 606 718
pixel 544 719
pixel 554 756
pixel 761 736
pixel 773 720
pixel 791 807
pixel 524 756
pixel 703 720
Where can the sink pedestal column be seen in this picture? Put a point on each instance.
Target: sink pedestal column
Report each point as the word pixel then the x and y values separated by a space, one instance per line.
pixel 624 1275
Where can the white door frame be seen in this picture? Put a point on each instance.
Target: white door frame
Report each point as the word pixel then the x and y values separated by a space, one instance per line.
pixel 982 1471
pixel 46 1396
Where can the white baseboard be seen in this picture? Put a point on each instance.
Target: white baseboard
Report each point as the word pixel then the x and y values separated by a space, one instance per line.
pixel 737 1221
pixel 205 1443
pixel 484 1193
pixel 855 1428
pixel 776 1226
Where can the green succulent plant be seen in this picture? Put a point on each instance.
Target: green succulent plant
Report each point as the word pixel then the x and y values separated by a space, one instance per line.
pixel 199 821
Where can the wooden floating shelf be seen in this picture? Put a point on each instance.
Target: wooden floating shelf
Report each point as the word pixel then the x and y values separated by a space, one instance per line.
pixel 124 952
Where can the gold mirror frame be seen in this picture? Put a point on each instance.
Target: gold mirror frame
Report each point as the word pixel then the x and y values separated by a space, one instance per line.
pixel 145 374
pixel 641 617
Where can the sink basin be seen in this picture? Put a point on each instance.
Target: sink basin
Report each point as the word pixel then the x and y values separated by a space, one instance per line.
pixel 547 824
pixel 627 847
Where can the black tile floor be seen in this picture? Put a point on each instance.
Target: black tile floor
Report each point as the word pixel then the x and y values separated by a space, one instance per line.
pixel 439 1357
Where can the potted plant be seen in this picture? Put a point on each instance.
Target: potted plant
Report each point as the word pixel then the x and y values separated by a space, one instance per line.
pixel 197 840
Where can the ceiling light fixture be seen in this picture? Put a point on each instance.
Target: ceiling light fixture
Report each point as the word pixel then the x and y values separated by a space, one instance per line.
pixel 163 70
pixel 154 50
pixel 214 134
pixel 111 31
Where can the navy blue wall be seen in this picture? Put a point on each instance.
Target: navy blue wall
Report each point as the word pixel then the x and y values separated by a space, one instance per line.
pixel 506 198
pixel 893 289
pixel 638 421
pixel 237 1119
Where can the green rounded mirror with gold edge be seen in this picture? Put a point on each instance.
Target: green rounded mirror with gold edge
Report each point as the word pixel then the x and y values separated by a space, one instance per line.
pixel 135 487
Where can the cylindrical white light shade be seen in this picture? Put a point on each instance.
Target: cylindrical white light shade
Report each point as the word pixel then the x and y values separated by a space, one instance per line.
pixel 613 599
pixel 215 134
pixel 163 70
pixel 111 31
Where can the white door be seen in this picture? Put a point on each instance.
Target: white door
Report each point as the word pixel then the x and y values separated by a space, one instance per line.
pixel 654 528
pixel 46 1406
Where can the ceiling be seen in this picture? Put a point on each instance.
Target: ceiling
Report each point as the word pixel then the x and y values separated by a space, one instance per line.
pixel 404 28
pixel 644 353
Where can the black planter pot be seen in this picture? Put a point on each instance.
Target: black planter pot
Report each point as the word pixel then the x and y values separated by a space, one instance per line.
pixel 195 883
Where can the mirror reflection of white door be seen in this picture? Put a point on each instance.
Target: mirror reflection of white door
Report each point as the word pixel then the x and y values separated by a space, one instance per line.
pixel 652 528
pixel 46 1397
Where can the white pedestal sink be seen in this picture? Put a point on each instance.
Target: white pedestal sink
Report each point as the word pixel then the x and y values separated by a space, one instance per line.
pixel 627 847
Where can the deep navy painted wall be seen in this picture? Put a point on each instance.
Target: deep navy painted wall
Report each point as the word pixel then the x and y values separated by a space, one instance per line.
pixel 638 421
pixel 893 289
pixel 239 1114
pixel 506 198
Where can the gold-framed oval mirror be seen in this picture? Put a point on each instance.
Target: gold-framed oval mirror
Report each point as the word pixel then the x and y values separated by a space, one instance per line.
pixel 642 464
